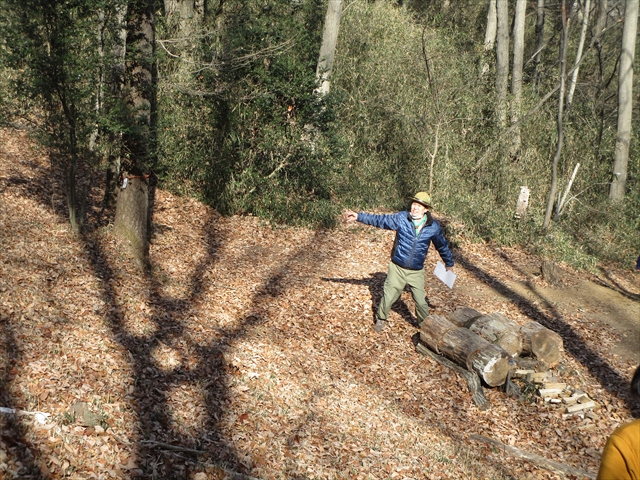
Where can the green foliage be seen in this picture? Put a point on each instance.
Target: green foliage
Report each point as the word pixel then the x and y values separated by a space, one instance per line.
pixel 52 46
pixel 259 140
pixel 240 127
pixel 391 121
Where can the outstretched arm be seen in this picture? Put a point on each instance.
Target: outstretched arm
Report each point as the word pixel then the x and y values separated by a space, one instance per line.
pixel 349 216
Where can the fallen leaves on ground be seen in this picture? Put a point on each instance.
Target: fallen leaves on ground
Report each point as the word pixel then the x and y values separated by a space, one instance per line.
pixel 250 349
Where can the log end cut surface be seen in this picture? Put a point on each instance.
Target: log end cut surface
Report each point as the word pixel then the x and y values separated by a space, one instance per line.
pixel 492 364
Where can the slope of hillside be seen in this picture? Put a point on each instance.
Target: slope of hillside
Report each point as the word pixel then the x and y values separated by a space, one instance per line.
pixel 250 349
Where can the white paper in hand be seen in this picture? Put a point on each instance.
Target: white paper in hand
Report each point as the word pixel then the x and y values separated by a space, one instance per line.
pixel 447 277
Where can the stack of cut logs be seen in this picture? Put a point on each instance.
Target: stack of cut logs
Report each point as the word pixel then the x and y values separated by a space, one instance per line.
pixel 487 344
pixel 552 391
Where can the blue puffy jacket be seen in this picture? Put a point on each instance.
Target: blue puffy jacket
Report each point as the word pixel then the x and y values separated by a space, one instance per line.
pixel 410 251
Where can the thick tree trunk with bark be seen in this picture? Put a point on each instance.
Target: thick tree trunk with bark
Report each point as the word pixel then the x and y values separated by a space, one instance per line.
pixel 132 207
pixel 542 343
pixel 499 330
pixel 463 317
pixel 625 101
pixel 466 348
pixel 328 47
pixel 184 14
pixel 502 61
pixel 131 218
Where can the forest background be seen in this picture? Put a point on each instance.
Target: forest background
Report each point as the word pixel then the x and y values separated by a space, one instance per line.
pixel 220 131
pixel 218 100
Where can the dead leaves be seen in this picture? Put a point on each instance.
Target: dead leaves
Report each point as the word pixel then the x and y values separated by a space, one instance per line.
pixel 253 345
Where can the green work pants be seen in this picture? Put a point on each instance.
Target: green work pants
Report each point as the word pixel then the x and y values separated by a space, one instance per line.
pixel 397 278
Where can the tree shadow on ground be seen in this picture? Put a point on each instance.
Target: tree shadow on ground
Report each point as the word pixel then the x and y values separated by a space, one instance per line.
pixel 614 285
pixel 574 345
pixel 376 287
pixel 12 429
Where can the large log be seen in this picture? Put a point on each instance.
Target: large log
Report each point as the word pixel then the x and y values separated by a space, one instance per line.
pixel 542 343
pixel 498 329
pixel 465 348
pixel 463 317
pixel 473 382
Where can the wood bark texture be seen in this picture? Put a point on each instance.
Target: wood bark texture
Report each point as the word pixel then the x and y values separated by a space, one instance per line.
pixel 131 218
pixel 542 343
pixel 328 47
pixel 550 272
pixel 500 330
pixel 472 379
pixel 516 74
pixel 492 27
pixel 625 101
pixel 465 348
pixel 462 317
pixel 502 61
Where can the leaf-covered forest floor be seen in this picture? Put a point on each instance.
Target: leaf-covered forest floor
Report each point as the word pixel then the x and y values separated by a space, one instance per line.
pixel 250 349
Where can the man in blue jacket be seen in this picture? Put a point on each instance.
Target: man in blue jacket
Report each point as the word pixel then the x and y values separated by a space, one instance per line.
pixel 415 230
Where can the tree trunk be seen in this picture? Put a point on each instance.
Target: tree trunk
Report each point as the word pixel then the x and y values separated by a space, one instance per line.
pixel 328 47
pixel 556 157
pixel 625 101
pixel 489 36
pixel 516 75
pixel 99 78
pixel 131 223
pixel 182 14
pixel 542 343
pixel 601 21
pixel 132 207
pixel 499 330
pixel 492 27
pixel 502 61
pixel 466 348
pixel 583 35
pixel 183 18
pixel 539 40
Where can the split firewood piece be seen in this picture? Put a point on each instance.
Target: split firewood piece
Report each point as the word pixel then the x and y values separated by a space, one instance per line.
pixel 463 317
pixel 571 400
pixel 538 377
pixel 520 373
pixel 465 348
pixel 581 406
pixel 559 385
pixel 500 330
pixel 550 392
pixel 542 343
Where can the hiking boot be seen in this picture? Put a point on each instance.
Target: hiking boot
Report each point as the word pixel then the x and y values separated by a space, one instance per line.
pixel 379 325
